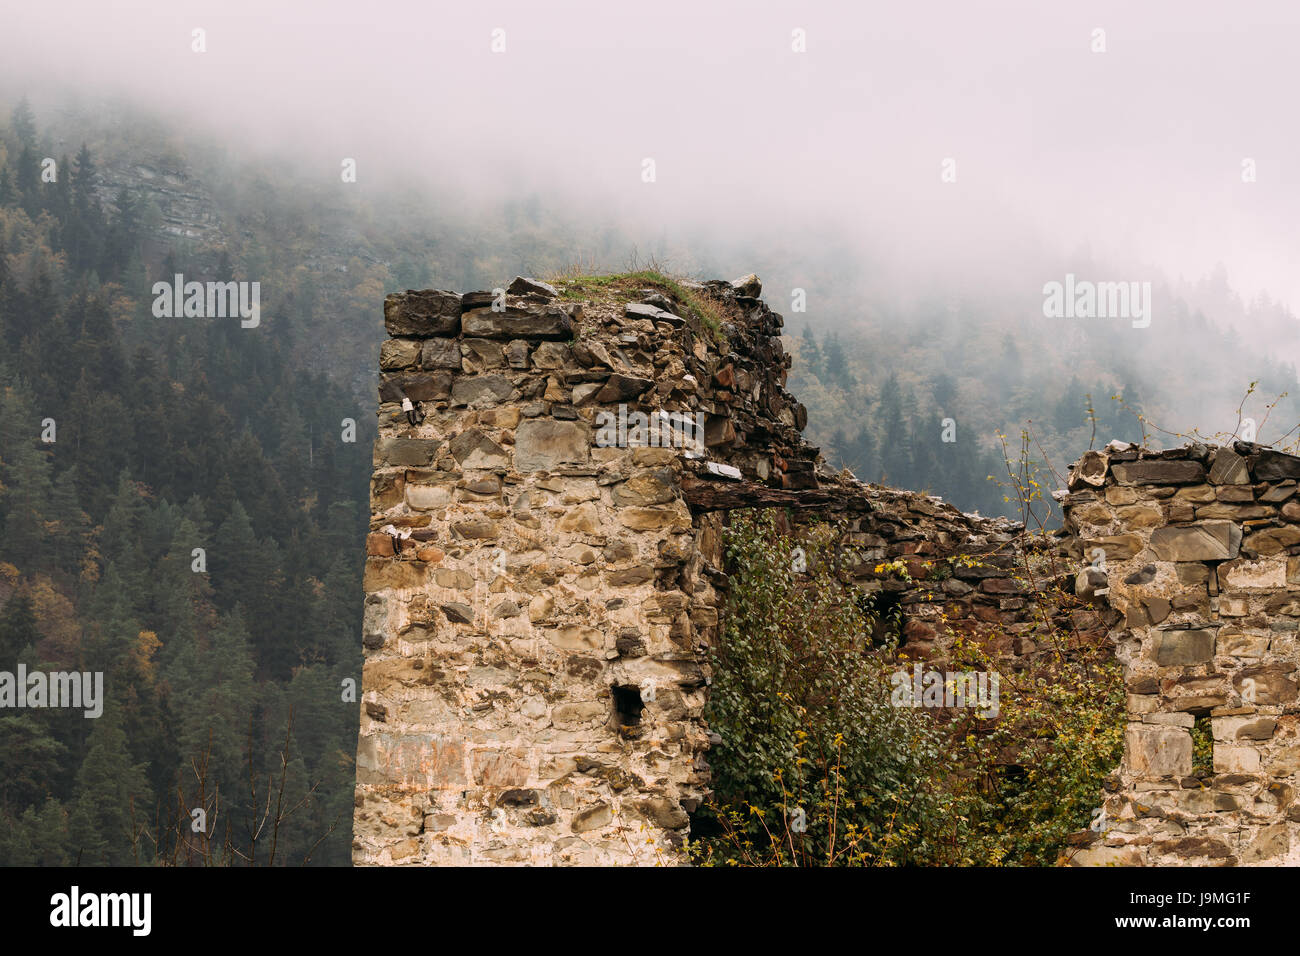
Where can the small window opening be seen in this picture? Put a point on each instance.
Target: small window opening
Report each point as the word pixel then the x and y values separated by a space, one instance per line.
pixel 627 704
pixel 1202 747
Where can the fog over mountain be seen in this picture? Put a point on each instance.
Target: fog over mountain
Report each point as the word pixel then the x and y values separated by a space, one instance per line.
pixel 1134 153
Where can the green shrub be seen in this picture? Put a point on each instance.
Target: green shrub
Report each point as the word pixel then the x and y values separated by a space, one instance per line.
pixel 1058 735
pixel 815 766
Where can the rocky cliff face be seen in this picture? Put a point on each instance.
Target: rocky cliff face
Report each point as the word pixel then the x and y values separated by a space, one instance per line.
pixel 187 212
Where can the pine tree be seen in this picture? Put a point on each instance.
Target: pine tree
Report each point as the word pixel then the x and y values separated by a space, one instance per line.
pixel 24 481
pixel 810 354
pixel 69 526
pixel 29 760
pixel 1070 411
pixel 216 683
pixel 27 177
pixel 23 122
pixel 926 441
pixel 864 459
pixel 837 368
pixel 18 630
pixel 49 834
pixel 895 450
pixel 112 790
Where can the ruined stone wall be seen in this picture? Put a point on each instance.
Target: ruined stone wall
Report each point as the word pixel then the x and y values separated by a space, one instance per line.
pixel 540 604
pixel 523 587
pixel 1199 549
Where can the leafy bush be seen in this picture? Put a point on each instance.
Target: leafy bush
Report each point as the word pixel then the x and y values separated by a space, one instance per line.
pixel 1059 734
pixel 815 766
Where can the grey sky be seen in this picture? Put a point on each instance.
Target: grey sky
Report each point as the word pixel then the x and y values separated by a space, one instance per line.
pixel 1134 153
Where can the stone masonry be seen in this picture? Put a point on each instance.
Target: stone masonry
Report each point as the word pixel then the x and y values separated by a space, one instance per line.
pixel 540 605
pixel 1199 549
pixel 541 601
pixel 536 603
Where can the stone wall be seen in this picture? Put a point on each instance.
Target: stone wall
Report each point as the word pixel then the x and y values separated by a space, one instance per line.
pixel 524 588
pixel 540 604
pixel 1199 549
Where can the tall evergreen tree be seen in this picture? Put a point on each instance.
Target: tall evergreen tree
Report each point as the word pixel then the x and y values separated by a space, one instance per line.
pixel 114 798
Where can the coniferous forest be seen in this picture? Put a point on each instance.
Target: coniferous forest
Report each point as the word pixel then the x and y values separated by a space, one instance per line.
pixel 178 510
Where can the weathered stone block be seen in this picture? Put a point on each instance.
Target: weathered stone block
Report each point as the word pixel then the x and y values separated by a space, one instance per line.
pixel 1229 759
pixel 647 488
pixel 520 322
pixel 1229 468
pixel 1243 728
pixel 1265 573
pixel 1271 465
pixel 544 445
pixel 472 448
pixel 1270 843
pixel 1184 648
pixel 576 637
pixel 417 386
pixel 1274 540
pixel 399 353
pixel 1117 547
pixel 1284 762
pixel 663 812
pixel 1266 683
pixel 430 312
pixel 655 519
pixel 478 389
pixel 1205 541
pixel 1102 855
pixel 383 573
pixel 440 354
pixel 593 818
pixel 1158 472
pixel 499 768
pixel 411 761
pixel 1233 642
pixel 428 497
pixel 574 716
pixel 1156 751
pixel 414 452
pixel 622 388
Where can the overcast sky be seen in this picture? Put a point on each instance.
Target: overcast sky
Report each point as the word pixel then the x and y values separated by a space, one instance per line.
pixel 1134 153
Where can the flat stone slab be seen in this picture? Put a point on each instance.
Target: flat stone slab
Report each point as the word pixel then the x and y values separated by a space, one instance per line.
pixel 543 444
pixel 1158 472
pixel 1184 648
pixel 1203 541
pixel 430 312
pixel 540 322
pixel 1272 465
